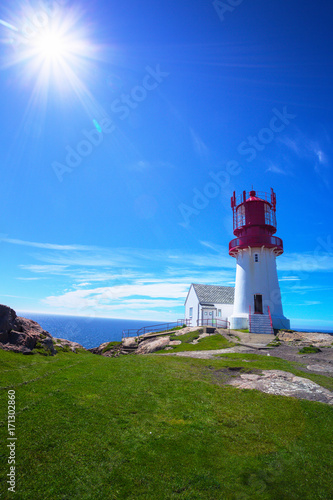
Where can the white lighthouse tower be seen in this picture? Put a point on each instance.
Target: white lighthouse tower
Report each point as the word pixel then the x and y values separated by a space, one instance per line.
pixel 257 303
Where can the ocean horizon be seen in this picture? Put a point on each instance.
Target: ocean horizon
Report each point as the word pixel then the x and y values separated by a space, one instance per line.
pixel 87 331
pixel 91 332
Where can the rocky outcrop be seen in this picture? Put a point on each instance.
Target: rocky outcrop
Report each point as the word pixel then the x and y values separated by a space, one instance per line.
pixel 107 349
pixel 23 335
pixel 284 384
pixel 306 338
pixel 7 320
pixel 65 345
pixel 152 345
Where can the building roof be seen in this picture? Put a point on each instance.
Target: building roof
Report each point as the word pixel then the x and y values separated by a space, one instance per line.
pixel 214 294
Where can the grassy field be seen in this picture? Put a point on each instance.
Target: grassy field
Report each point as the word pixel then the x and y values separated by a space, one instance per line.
pixel 159 427
pixel 206 344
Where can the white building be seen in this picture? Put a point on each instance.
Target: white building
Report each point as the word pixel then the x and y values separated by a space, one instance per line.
pixel 207 303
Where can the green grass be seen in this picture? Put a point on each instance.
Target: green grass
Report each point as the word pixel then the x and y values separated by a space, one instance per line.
pixel 207 343
pixel 187 337
pixel 110 346
pixel 159 427
pixel 309 350
pixel 274 343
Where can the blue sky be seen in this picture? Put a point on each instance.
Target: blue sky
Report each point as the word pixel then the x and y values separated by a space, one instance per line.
pixel 127 127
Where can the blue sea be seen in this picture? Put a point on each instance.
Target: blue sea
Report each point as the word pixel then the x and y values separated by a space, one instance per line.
pixel 89 332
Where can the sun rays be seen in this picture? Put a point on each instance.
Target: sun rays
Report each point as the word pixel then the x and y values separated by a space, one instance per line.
pixel 50 49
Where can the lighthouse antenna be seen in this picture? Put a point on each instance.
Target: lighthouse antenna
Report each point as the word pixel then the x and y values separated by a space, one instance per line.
pixel 273 200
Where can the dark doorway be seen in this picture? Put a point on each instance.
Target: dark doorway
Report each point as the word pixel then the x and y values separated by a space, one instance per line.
pixel 258 304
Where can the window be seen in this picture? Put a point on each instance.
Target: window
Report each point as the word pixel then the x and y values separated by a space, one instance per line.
pixel 219 313
pixel 256 257
pixel 191 312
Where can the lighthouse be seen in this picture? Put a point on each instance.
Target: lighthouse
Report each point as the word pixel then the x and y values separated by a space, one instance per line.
pixel 257 303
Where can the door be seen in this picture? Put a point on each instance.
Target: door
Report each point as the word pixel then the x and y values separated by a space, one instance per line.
pixel 258 304
pixel 208 316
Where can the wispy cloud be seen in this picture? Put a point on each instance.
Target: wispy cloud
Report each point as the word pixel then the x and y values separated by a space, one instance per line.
pixel 289 278
pixel 199 146
pixel 31 279
pixel 49 269
pixel 114 282
pixel 275 169
pixel 47 246
pixel 136 300
pixel 305 262
pixel 313 151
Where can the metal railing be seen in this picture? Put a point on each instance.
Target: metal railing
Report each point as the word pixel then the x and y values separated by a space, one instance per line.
pixel 270 318
pixel 215 322
pixel 160 327
pixel 259 194
pixel 249 319
pixel 256 241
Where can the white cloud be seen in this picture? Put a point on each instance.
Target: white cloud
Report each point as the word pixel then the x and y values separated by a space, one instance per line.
pixel 47 246
pixel 312 151
pixel 289 278
pixel 30 279
pixel 136 300
pixel 49 269
pixel 276 170
pixel 199 146
pixel 305 262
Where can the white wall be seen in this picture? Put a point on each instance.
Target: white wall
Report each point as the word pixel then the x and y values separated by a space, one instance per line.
pixel 257 278
pixel 192 301
pixel 226 310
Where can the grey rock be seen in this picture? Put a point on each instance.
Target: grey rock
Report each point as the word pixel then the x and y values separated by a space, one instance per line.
pixel 306 338
pixel 16 348
pixel 153 345
pixel 48 344
pixel 7 320
pixel 19 334
pixel 130 342
pixel 284 384
pixel 321 368
pixel 73 345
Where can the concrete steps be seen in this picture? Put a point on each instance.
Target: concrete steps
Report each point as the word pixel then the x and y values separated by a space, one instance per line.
pixel 260 323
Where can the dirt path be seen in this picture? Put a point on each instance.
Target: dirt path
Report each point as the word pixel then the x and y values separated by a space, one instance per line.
pixel 321 362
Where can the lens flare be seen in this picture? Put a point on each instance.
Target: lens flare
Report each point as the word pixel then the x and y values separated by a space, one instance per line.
pixel 52 49
pixel 51 46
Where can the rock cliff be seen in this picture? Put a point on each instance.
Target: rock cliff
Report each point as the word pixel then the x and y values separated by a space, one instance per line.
pixel 23 335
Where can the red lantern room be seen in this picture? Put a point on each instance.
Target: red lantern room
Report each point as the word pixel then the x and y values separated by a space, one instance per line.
pixel 254 221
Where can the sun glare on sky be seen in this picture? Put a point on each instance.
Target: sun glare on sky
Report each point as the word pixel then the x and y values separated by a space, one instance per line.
pixel 50 48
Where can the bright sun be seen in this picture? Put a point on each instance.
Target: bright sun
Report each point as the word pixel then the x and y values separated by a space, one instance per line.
pixel 54 49
pixel 51 46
